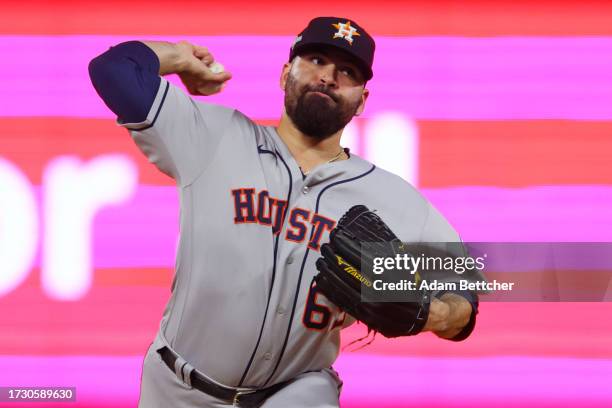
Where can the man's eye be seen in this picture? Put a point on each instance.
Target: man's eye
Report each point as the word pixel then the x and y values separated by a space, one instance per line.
pixel 348 72
pixel 315 60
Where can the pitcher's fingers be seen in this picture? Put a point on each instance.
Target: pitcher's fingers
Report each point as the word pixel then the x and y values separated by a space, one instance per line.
pixel 221 77
pixel 206 55
pixel 207 59
pixel 200 52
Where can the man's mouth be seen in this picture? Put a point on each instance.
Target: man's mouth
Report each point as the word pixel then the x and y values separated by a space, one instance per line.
pixel 323 94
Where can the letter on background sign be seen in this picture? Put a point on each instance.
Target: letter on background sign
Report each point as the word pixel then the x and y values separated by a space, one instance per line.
pixel 392 143
pixel 73 193
pixel 18 226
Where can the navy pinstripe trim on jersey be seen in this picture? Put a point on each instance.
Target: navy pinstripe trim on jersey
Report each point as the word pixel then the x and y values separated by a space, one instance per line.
pixel 161 104
pixel 297 290
pixel 263 323
pixel 260 150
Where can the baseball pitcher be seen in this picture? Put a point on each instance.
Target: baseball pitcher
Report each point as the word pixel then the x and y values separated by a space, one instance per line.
pixel 269 218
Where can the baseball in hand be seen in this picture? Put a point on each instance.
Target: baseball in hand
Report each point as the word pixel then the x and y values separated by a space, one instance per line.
pixel 216 67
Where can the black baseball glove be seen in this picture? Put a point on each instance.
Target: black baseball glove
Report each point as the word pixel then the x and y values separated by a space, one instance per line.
pixel 341 275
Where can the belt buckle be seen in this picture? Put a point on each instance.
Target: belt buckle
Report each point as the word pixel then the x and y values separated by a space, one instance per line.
pixel 236 401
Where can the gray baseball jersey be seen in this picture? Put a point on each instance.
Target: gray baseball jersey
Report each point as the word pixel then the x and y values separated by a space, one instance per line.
pixel 243 309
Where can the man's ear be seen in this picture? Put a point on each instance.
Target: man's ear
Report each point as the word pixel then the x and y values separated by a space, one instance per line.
pixel 364 97
pixel 285 75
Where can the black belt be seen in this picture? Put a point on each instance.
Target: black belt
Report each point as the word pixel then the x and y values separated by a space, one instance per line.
pixel 244 399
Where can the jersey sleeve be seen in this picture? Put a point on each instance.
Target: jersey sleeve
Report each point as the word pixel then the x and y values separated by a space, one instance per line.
pixel 436 228
pixel 180 135
pixel 126 77
pixel 176 133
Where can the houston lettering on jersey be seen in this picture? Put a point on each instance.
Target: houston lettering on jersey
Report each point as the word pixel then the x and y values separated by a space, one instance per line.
pixel 260 208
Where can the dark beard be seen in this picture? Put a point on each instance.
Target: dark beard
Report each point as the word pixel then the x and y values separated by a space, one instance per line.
pixel 315 115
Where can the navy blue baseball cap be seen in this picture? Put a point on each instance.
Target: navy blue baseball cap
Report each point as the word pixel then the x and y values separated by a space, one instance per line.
pixel 337 32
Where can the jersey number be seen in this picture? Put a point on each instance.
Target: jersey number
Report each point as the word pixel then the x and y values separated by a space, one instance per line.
pixel 317 316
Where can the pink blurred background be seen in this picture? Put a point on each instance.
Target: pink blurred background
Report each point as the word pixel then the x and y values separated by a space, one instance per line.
pixel 500 112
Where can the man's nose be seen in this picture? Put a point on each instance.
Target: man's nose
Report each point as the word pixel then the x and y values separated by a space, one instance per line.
pixel 327 75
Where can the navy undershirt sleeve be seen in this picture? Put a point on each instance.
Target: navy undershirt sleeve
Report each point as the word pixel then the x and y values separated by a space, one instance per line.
pixel 127 79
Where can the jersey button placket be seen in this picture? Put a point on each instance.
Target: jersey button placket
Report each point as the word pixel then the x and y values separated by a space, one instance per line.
pixel 305 189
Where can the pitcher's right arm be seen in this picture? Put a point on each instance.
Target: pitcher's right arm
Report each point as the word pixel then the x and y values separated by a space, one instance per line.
pixel 178 134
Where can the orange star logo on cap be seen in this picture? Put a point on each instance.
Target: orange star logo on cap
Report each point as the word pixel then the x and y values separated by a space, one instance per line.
pixel 345 31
